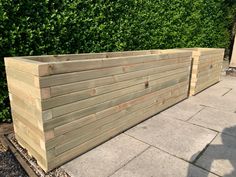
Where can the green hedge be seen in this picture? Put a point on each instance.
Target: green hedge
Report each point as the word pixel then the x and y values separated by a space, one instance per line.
pixel 65 26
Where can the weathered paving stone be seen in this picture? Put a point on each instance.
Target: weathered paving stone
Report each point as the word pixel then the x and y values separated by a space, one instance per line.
pixel 215 119
pixel 176 137
pixel 220 96
pixel 218 102
pixel 229 82
pixel 220 156
pixel 106 158
pixel 183 110
pixel 155 163
pixel 215 90
pixel 231 95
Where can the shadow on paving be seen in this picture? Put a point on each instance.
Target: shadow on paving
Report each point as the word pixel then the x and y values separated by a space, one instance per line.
pixel 218 152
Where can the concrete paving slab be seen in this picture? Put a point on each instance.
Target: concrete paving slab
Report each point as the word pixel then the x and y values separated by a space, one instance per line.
pixel 222 103
pixel 183 110
pixel 215 119
pixel 106 158
pixel 216 90
pixel 155 163
pixel 231 95
pixel 173 136
pixel 220 156
pixel 220 96
pixel 227 81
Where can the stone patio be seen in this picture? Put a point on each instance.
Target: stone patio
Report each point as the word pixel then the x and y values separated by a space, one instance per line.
pixel 195 138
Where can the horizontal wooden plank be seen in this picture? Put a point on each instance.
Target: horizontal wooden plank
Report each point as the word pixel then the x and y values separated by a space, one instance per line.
pixel 83 85
pixel 25 90
pixel 107 112
pixel 209 66
pixel 85 56
pixel 66 57
pixel 211 51
pixel 85 94
pixel 83 65
pixel 209 61
pixel 207 76
pixel 201 72
pixel 27 104
pixel 64 109
pixel 34 119
pixel 214 69
pixel 129 53
pixel 91 64
pixel 29 123
pixel 29 66
pixel 173 53
pixel 22 65
pixel 105 72
pixel 68 108
pixel 206 84
pixel 22 76
pixel 102 106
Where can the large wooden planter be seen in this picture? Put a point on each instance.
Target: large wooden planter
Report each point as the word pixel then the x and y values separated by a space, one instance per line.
pixel 206 68
pixel 62 106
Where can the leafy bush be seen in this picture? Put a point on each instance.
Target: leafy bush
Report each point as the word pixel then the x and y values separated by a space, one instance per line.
pixel 66 26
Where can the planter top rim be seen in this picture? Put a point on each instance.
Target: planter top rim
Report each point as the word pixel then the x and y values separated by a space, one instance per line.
pixel 202 49
pixel 48 59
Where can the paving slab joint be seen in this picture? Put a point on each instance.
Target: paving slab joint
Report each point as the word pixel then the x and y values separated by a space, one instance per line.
pixel 195 113
pixel 129 161
pixel 204 127
pixel 230 89
pixel 137 139
pixel 206 106
pixel 162 150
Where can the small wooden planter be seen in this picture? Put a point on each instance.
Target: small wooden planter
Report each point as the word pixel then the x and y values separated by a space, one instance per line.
pixel 64 105
pixel 206 68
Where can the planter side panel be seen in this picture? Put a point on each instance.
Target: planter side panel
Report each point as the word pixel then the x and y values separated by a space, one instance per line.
pixel 206 69
pixel 91 104
pixel 25 100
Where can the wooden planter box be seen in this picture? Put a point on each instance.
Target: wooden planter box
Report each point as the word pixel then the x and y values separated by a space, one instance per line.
pixel 62 106
pixel 206 68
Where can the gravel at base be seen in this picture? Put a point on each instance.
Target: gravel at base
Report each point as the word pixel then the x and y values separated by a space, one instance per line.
pixel 9 167
pixel 58 172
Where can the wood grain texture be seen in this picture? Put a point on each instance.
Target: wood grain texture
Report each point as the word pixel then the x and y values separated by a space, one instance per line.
pixel 104 72
pixel 206 69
